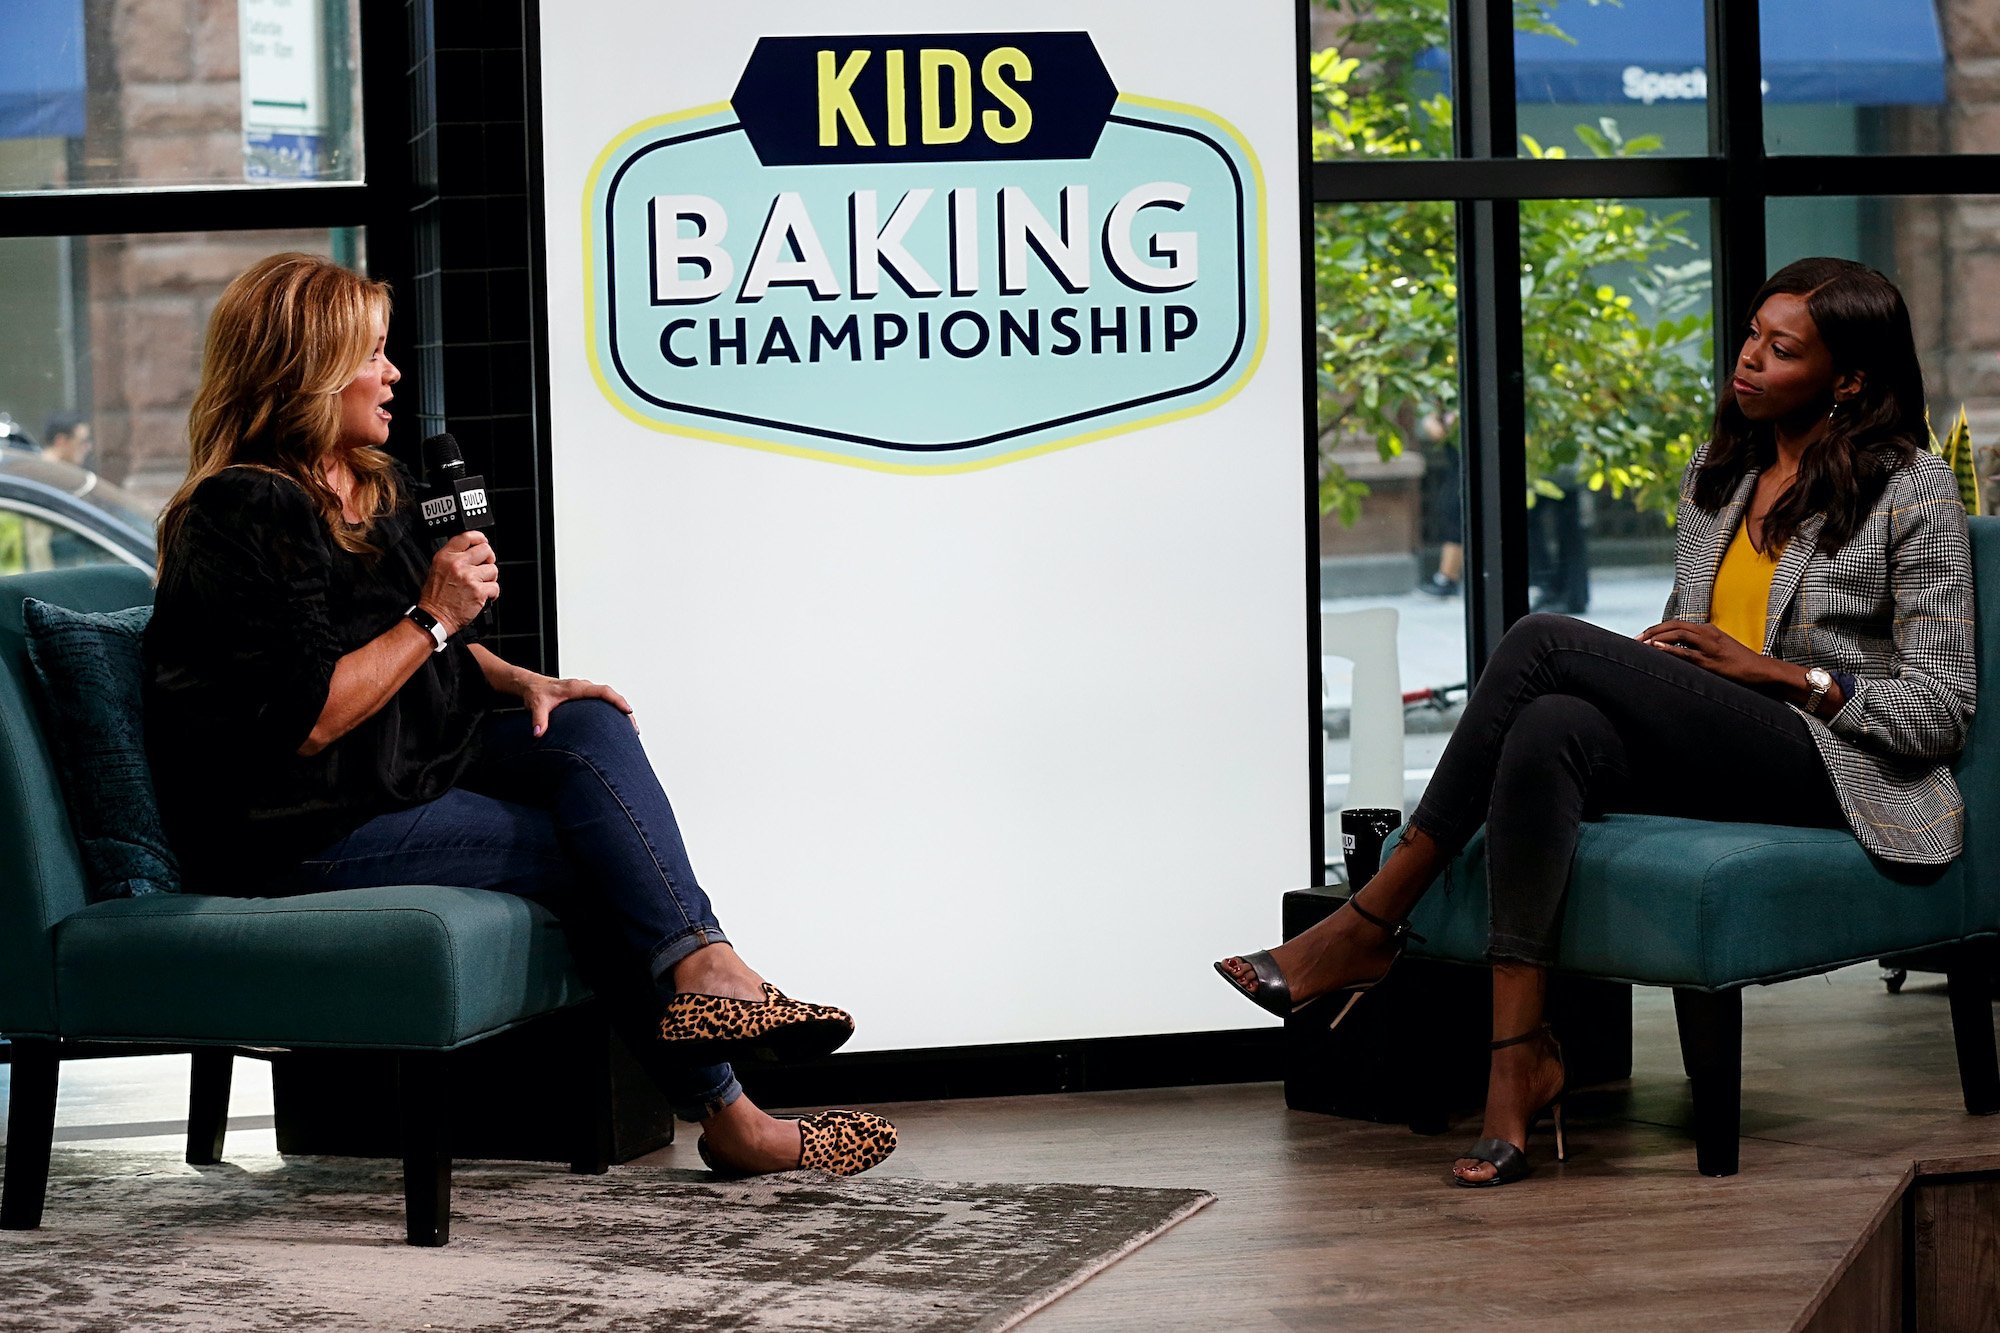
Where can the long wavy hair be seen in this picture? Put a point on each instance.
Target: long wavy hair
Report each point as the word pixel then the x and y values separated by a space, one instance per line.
pixel 1866 327
pixel 287 335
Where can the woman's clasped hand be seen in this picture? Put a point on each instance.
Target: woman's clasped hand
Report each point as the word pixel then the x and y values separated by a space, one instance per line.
pixel 464 576
pixel 1710 649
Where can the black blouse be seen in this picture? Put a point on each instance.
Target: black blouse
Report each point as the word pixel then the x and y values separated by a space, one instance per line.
pixel 256 603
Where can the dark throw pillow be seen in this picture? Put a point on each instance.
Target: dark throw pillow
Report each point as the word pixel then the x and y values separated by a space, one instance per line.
pixel 92 678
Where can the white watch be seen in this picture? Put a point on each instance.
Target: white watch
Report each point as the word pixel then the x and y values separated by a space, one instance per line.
pixel 430 625
pixel 1821 681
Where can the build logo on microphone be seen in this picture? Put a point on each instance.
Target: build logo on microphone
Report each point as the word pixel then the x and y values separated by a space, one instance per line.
pixel 924 252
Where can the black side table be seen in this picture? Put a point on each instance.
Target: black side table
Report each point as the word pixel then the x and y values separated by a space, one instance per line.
pixel 1414 1049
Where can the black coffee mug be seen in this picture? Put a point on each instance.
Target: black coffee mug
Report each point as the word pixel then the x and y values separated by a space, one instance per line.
pixel 1362 831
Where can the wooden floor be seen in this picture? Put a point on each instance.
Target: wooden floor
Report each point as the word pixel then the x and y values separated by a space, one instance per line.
pixel 1323 1223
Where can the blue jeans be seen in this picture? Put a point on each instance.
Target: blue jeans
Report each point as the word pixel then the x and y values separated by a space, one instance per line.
pixel 575 820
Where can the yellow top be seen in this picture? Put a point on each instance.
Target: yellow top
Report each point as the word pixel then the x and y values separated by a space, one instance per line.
pixel 1743 591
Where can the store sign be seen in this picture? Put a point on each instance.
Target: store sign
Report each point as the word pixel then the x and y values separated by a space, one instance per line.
pixel 924 252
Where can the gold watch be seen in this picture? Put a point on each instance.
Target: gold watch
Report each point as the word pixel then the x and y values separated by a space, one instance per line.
pixel 1821 681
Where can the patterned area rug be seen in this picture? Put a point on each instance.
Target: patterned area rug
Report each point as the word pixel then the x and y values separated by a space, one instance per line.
pixel 138 1240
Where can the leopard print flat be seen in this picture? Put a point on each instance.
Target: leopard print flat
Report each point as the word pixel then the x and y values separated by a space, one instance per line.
pixel 709 1029
pixel 840 1143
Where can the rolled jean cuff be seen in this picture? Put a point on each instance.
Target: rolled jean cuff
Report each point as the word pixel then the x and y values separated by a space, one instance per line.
pixel 668 955
pixel 1515 949
pixel 1438 829
pixel 717 1088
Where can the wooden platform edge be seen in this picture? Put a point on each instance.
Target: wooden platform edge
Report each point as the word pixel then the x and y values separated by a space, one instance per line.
pixel 1886 1278
pixel 1824 1312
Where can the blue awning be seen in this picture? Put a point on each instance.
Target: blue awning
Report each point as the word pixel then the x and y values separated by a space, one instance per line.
pixel 41 69
pixel 1849 52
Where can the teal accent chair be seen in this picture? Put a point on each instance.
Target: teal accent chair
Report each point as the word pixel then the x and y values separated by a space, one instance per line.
pixel 419 970
pixel 1709 909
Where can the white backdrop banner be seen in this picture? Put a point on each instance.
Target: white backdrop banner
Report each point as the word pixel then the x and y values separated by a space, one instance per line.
pixel 927 465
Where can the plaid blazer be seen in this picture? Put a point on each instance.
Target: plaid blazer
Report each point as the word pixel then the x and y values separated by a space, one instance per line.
pixel 1895 608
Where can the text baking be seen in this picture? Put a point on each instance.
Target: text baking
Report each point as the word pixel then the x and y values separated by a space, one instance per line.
pixel 693 264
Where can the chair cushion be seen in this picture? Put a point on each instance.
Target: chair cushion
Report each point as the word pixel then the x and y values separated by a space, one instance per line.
pixel 1682 902
pixel 414 967
pixel 91 679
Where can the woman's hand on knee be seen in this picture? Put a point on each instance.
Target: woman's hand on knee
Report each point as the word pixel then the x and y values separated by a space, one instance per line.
pixel 545 694
pixel 1710 649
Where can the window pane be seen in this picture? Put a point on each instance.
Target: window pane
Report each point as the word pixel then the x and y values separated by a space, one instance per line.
pixel 164 92
pixel 1618 345
pixel 100 349
pixel 1880 76
pixel 1609 80
pixel 34 540
pixel 1381 80
pixel 1391 489
pixel 1938 250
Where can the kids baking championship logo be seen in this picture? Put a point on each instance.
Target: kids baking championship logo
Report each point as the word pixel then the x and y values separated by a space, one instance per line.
pixel 924 253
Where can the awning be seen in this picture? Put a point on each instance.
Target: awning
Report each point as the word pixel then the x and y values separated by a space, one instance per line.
pixel 41 69
pixel 1849 52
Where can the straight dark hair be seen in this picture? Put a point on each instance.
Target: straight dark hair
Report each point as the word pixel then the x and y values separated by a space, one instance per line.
pixel 1866 327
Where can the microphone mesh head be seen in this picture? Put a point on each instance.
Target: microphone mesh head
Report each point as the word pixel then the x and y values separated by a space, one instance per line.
pixel 441 450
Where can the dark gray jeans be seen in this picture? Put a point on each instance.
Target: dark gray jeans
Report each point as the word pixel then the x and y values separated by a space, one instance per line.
pixel 1571 722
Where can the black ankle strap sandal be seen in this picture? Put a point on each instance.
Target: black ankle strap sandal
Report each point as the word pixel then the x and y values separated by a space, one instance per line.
pixel 1270 991
pixel 1510 1161
pixel 1398 931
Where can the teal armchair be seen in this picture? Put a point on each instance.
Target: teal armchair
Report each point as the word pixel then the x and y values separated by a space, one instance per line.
pixel 1709 909
pixel 421 971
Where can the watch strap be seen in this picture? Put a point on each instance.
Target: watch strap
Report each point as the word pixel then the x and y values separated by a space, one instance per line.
pixel 430 625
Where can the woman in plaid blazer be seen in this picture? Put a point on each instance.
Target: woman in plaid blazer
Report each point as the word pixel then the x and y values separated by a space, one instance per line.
pixel 1838 698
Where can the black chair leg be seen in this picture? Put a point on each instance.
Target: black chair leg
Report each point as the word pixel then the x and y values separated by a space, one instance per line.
pixel 1711 1024
pixel 31 1131
pixel 423 1094
pixel 1972 1030
pixel 1688 1056
pixel 208 1104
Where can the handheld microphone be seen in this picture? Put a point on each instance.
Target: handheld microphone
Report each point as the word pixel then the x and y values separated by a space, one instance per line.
pixel 453 500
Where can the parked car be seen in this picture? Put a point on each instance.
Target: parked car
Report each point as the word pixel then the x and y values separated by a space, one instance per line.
pixel 54 515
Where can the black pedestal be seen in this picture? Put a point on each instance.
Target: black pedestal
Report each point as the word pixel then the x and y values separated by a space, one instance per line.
pixel 525 1095
pixel 1414 1049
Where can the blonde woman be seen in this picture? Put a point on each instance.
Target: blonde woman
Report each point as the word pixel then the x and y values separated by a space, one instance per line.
pixel 321 716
